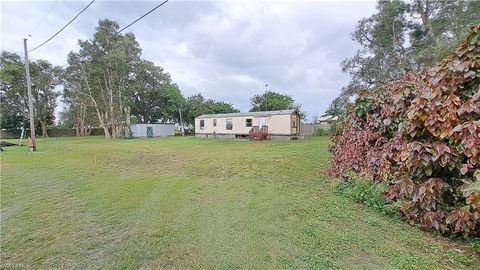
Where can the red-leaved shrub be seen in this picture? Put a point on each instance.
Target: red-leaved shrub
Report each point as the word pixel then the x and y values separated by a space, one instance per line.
pixel 421 134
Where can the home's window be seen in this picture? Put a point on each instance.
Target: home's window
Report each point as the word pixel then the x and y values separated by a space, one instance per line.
pixel 229 124
pixel 248 122
pixel 294 123
pixel 214 122
pixel 202 124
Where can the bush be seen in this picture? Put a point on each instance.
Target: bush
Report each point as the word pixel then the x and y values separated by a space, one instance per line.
pixel 421 136
pixel 321 132
pixel 364 190
pixel 189 131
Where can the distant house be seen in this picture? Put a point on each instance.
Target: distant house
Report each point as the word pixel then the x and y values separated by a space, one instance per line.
pixel 152 130
pixel 283 124
pixel 327 119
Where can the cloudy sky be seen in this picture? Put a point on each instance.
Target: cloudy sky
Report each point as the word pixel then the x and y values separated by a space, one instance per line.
pixel 226 50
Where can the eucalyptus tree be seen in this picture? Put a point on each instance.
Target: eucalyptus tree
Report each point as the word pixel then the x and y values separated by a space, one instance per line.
pixel 105 67
pixel 78 112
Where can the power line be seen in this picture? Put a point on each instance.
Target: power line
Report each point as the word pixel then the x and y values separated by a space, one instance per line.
pixel 89 4
pixel 143 16
pixel 43 19
pixel 135 21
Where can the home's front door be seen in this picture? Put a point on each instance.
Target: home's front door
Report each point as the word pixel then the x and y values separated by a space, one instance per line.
pixel 262 121
pixel 149 132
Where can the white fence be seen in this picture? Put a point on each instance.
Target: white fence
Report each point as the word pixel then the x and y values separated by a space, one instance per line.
pixel 309 129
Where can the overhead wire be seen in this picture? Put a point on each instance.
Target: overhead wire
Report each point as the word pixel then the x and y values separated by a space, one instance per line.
pixel 85 8
pixel 44 17
pixel 141 17
pixel 58 32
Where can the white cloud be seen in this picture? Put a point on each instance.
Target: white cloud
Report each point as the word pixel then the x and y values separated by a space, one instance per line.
pixel 225 50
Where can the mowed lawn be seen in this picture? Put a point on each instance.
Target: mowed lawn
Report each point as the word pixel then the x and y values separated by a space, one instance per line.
pixel 90 203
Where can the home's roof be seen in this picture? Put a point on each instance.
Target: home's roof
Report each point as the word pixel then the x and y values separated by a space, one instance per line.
pixel 327 118
pixel 258 114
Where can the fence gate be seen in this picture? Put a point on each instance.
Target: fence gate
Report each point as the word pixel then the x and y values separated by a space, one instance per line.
pixel 149 132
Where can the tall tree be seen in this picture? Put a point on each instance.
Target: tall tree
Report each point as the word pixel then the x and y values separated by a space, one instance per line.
pixel 171 103
pixel 273 101
pixel 106 67
pixel 14 105
pixel 438 26
pixel 45 78
pixel 153 96
pixel 78 113
pixel 383 55
pixel 197 105
pixel 405 36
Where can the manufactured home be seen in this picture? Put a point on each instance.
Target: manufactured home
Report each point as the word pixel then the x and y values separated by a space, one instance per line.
pixel 283 124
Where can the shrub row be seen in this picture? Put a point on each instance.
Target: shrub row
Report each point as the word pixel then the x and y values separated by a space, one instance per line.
pixel 421 136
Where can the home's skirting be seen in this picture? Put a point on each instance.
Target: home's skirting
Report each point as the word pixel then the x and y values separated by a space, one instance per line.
pixel 236 136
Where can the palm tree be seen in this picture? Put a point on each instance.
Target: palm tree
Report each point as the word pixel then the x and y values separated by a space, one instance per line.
pixel 336 108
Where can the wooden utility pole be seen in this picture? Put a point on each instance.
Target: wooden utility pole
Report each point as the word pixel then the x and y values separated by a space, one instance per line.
pixel 181 122
pixel 266 100
pixel 30 98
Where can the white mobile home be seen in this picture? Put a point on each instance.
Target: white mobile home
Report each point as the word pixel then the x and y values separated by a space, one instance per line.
pixel 152 130
pixel 283 124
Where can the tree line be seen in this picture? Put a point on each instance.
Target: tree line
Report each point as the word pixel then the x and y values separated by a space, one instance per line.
pixel 13 93
pixel 106 84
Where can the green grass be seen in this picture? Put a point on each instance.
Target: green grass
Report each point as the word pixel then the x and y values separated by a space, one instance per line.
pixel 193 203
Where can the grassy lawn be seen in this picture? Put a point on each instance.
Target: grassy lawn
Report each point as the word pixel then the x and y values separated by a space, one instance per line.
pixel 193 203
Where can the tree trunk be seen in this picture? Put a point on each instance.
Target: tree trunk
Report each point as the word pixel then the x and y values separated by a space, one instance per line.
pixel 77 127
pixel 103 125
pixel 77 122
pixel 106 131
pixel 114 132
pixel 101 118
pixel 43 124
pixel 82 119
pixel 127 130
pixel 424 10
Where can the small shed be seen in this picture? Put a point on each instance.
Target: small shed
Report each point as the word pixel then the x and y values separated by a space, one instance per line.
pixel 152 130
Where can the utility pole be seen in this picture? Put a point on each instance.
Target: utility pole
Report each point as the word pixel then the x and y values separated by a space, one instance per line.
pixel 266 91
pixel 30 98
pixel 181 122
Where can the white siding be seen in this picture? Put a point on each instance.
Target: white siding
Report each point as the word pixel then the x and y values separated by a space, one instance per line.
pixel 277 124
